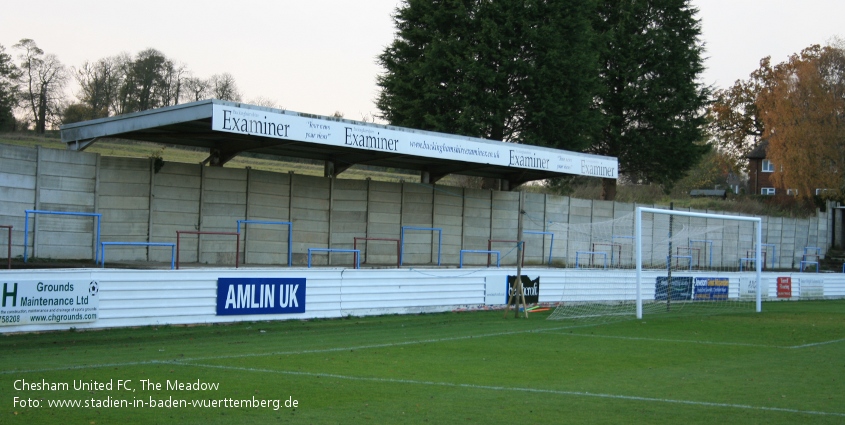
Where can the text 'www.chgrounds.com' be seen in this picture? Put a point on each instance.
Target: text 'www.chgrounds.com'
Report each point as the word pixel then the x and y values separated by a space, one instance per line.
pixel 153 402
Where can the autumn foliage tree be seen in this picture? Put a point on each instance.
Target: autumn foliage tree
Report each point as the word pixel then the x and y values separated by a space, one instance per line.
pixel 803 116
pixel 734 117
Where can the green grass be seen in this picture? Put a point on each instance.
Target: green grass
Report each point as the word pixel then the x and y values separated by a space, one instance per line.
pixel 785 365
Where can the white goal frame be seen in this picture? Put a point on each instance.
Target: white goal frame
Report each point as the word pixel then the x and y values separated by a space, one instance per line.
pixel 638 240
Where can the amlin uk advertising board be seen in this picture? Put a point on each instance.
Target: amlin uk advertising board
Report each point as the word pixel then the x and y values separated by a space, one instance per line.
pixel 265 295
pixel 34 302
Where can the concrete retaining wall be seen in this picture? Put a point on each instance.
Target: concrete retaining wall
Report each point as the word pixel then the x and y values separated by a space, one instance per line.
pixel 140 205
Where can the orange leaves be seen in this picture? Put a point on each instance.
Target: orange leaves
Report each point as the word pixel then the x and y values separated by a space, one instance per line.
pixel 803 112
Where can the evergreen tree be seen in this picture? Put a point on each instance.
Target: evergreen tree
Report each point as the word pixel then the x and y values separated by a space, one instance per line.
pixel 513 70
pixel 652 100
pixel 9 75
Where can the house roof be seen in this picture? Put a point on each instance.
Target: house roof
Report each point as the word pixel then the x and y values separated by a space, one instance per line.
pixel 759 151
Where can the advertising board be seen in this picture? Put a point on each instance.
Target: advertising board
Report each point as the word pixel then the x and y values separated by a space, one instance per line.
pixel 260 295
pixel 341 133
pixel 48 301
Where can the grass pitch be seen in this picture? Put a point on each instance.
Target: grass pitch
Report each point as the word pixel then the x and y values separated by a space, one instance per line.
pixel 785 365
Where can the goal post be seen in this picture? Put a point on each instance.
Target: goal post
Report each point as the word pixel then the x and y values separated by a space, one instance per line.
pixel 639 249
pixel 655 261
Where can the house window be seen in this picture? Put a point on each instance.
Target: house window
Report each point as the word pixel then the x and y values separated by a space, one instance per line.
pixel 767 191
pixel 792 192
pixel 734 188
pixel 821 191
pixel 768 167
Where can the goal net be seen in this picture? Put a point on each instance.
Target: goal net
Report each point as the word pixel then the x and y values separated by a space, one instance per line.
pixel 658 261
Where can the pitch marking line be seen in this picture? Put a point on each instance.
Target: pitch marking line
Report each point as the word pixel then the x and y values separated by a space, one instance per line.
pixel 80 367
pixel 510 389
pixel 384 345
pixel 284 353
pixel 816 344
pixel 280 353
pixel 404 343
pixel 689 341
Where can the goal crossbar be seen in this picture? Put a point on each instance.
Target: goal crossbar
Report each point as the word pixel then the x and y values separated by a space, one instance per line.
pixel 638 229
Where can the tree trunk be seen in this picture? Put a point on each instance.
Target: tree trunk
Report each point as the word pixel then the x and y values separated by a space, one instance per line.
pixel 497 132
pixel 608 189
pixel 41 122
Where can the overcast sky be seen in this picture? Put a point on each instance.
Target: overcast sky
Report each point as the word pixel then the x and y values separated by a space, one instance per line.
pixel 318 56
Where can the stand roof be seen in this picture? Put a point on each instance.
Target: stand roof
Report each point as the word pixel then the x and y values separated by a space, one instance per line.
pixel 227 129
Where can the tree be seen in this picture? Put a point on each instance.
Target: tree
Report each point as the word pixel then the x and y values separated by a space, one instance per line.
pixel 714 169
pixel 143 83
pixel 77 112
pixel 519 71
pixel 196 88
pixel 219 86
pixel 734 121
pixel 122 84
pixel 174 79
pixel 650 64
pixel 803 113
pixel 223 87
pixel 265 102
pixel 151 81
pixel 44 77
pixel 9 88
pixel 99 84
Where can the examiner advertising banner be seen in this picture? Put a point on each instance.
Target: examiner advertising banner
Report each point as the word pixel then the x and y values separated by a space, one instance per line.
pixel 313 129
pixel 47 302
